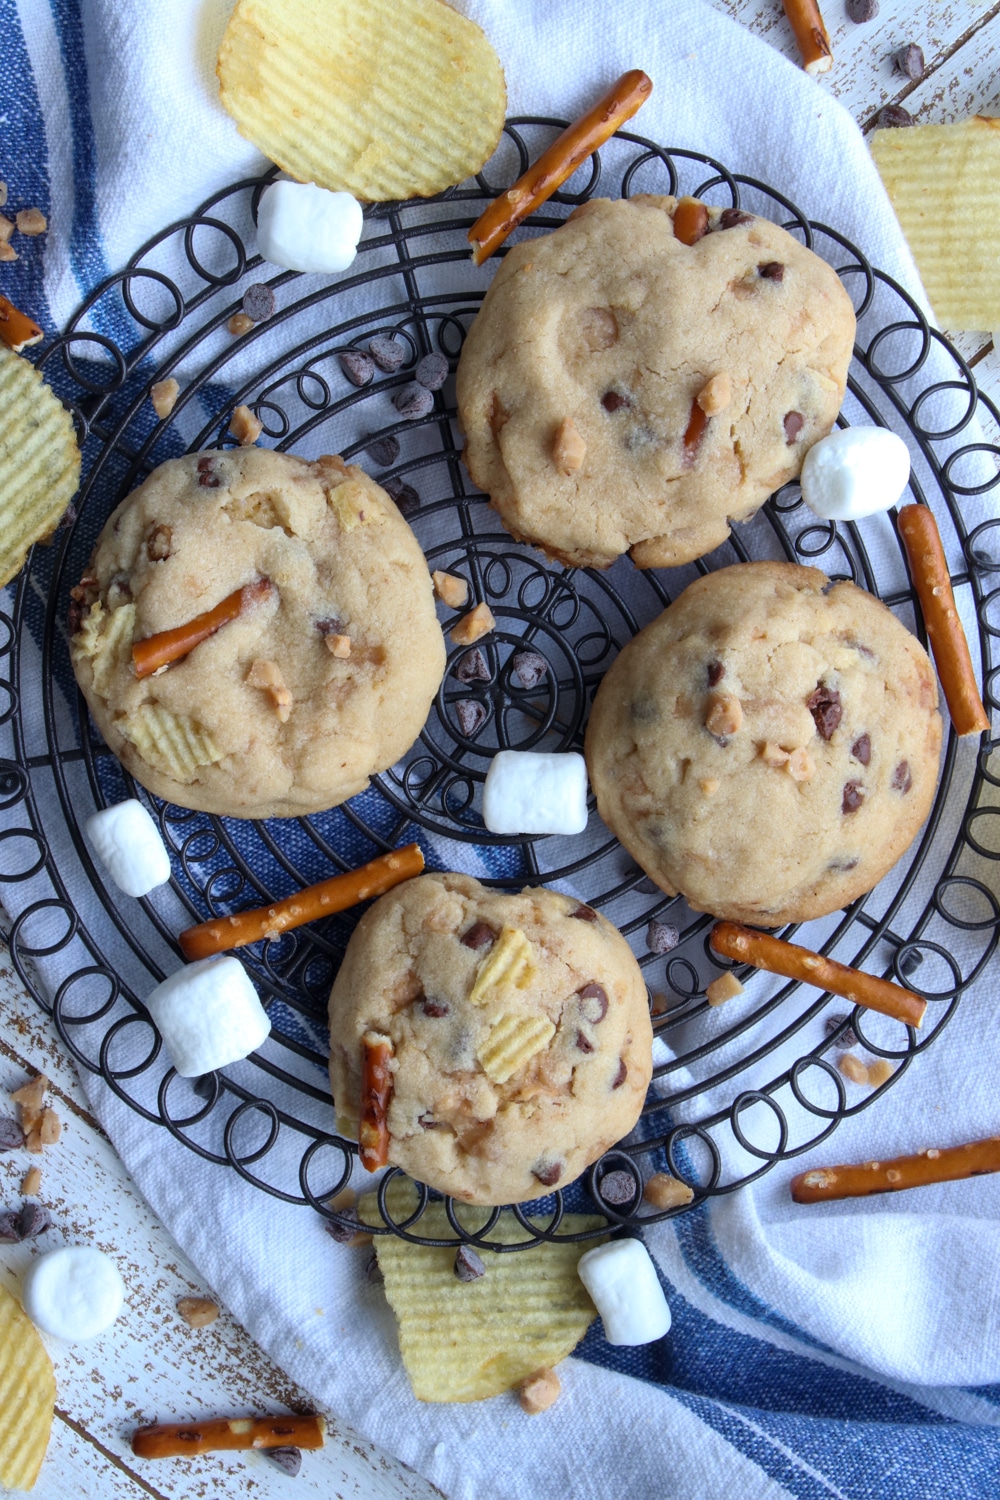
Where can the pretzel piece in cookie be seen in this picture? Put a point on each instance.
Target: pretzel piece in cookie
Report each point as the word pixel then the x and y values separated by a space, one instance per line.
pixel 560 161
pixel 17 330
pixel 950 1164
pixel 167 646
pixel 745 945
pixel 376 1092
pixel 919 533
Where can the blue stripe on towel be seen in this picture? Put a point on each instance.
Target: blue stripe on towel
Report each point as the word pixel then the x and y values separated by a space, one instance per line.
pixel 25 166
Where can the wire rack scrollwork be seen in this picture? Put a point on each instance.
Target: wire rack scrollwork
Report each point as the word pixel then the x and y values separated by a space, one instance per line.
pixel 736 1090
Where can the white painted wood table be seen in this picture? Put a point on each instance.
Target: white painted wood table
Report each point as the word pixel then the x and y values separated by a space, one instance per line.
pixel 152 1365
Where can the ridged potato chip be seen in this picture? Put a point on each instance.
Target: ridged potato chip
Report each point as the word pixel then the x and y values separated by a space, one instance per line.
pixel 513 1041
pixel 505 969
pixel 27 1397
pixel 944 183
pixel 39 461
pixel 367 96
pixel 467 1340
pixel 172 743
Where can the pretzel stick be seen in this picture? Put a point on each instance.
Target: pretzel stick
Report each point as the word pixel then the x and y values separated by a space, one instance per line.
pixel 16 329
pixel 919 533
pixel 811 35
pixel 560 161
pixel 168 1439
pixel 697 422
pixel 793 962
pixel 336 894
pixel 947 1165
pixel 160 650
pixel 376 1091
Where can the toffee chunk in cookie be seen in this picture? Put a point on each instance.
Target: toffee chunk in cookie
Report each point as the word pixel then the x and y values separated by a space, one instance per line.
pixel 324 676
pixel 624 391
pixel 518 1028
pixel 768 747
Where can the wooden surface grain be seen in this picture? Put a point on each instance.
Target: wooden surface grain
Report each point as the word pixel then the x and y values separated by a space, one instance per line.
pixel 151 1365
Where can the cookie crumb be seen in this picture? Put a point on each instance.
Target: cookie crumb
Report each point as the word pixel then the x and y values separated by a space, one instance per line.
pixel 724 714
pixel 539 1391
pixel 569 448
pixel 664 1191
pixel 267 675
pixel 163 394
pixel 726 987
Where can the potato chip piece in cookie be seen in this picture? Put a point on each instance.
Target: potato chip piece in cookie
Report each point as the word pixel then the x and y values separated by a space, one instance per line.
pixel 375 98
pixel 502 1092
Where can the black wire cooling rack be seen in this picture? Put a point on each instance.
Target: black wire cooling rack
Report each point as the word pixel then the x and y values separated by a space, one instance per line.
pixel 736 1089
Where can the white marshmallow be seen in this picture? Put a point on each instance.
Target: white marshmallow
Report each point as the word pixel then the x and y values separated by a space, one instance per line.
pixel 623 1284
pixel 74 1293
pixel 307 228
pixel 208 1015
pixel 529 791
pixel 129 847
pixel 855 472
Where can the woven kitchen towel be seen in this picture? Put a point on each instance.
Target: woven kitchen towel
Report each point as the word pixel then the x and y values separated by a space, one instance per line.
pixel 852 1350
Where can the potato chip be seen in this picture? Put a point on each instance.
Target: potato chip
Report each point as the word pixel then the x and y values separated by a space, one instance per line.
pixel 27 1396
pixel 39 461
pixel 381 100
pixel 171 743
pixel 506 968
pixel 113 645
pixel 467 1340
pixel 944 183
pixel 511 1042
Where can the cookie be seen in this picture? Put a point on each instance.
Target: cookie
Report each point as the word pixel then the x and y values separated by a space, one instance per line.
pixel 519 1028
pixel 324 677
pixel 622 391
pixel 768 747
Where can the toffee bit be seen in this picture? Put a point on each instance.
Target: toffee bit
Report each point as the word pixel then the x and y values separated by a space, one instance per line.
pixel 617 1188
pixel 530 667
pixel 661 937
pixel 472 667
pixel 383 450
pixel 198 1312
pixel 239 324
pixel 357 367
pixel 163 395
pixel 31 221
pixel 468 1265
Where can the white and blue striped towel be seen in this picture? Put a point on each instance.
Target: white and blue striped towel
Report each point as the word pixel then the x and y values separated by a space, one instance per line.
pixel 850 1350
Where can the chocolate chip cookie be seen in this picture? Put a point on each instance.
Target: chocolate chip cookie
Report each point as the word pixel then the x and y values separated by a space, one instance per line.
pixel 769 745
pixel 624 391
pixel 519 1031
pixel 324 674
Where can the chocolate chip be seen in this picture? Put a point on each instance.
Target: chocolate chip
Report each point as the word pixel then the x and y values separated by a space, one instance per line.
pixel 530 668
pixel 894 117
pixel 357 367
pixel 413 401
pixel 406 498
pixel 617 1188
pixel 620 1076
pixel 431 371
pixel 32 1220
pixel 862 749
pixel 470 715
pixel 383 450
pixel 330 626
pixel 614 401
pixel 731 217
pixel 661 937
pixel 772 270
pixel 841 866
pixel 373 1272
pixel 74 616
pixel 258 302
pixel 584 1044
pixel 593 1002
pixel 833 1023
pixel 716 672
pixel 435 1008
pixel 288 1460
pixel 479 935
pixel 584 913
pixel 794 423
pixel 8 1227
pixel 472 667
pixel 902 778
pixel 644 710
pixel 861 10
pixel 344 1233
pixel 387 352
pixel 548 1173
pixel 468 1265
pixel 11 1134
pixel 910 61
pixel 428 1122
pixel 854 795
pixel 825 706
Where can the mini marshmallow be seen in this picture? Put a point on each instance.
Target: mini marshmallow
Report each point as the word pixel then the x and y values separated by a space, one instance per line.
pixel 74 1293
pixel 208 1015
pixel 623 1284
pixel 528 791
pixel 307 228
pixel 855 472
pixel 129 847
